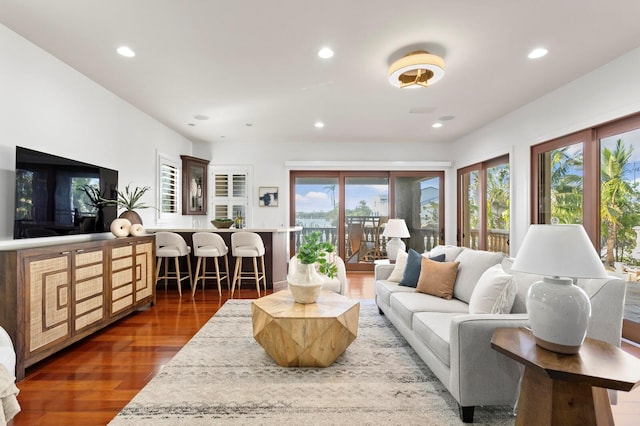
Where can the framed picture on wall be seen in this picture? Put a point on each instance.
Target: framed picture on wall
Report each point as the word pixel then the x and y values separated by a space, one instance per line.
pixel 268 196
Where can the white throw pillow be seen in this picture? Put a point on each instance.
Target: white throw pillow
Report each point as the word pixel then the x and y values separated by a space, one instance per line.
pixel 398 271
pixel 494 293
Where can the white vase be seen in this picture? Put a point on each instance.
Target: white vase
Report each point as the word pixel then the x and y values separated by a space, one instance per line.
pixel 305 283
pixel 559 314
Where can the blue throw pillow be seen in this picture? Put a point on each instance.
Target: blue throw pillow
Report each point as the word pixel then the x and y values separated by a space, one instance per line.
pixel 438 258
pixel 411 269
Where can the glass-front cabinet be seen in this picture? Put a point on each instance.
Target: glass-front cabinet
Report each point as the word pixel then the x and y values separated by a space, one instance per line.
pixel 194 185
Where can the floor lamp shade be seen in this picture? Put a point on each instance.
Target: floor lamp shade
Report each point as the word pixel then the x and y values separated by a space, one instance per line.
pixel 558 310
pixel 395 229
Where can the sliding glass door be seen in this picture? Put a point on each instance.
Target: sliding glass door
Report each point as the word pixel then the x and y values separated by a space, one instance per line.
pixel 316 200
pixel 483 205
pixel 351 209
pixel 418 200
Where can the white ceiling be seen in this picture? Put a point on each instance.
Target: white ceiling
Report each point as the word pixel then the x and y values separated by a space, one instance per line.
pixel 255 61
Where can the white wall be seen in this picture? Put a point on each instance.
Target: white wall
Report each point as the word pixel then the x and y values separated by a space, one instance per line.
pixel 604 94
pixel 47 106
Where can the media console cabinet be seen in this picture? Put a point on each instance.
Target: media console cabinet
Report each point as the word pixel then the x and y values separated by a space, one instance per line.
pixel 56 294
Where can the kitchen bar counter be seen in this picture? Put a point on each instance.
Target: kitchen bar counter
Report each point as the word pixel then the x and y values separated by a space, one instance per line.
pixel 276 244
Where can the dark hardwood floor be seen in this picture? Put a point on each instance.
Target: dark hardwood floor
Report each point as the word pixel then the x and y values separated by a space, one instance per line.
pixel 90 382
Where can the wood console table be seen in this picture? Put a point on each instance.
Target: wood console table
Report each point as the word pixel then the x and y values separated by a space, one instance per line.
pixel 58 293
pixel 559 389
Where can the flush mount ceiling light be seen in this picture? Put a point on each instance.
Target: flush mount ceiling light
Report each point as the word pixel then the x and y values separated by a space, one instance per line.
pixel 419 68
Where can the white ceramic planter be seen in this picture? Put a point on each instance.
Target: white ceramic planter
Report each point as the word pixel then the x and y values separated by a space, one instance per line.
pixel 305 283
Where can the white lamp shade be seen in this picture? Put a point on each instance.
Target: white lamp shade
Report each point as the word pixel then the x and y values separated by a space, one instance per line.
pixel 396 228
pixel 559 251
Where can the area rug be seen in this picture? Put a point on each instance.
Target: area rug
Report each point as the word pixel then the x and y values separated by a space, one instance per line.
pixel 222 376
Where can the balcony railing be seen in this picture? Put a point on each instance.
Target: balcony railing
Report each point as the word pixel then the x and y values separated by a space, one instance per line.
pixel 371 244
pixel 497 240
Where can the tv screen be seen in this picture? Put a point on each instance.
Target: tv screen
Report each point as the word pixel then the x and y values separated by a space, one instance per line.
pixel 61 196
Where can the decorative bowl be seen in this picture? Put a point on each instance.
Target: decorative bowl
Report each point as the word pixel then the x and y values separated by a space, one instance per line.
pixel 222 223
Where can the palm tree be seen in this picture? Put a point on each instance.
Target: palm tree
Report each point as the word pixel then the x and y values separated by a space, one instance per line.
pixel 498 197
pixel 566 190
pixel 614 192
pixel 332 188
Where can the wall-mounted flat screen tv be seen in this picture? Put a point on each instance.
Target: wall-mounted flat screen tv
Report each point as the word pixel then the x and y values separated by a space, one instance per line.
pixel 60 196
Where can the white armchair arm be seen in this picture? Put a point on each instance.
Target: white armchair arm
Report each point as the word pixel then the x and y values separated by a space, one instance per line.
pixel 7 352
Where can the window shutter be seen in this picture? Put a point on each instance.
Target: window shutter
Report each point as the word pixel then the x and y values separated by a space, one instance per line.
pixel 168 188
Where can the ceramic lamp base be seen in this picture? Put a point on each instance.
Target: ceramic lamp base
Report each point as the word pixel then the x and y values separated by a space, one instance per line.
pixel 394 246
pixel 559 314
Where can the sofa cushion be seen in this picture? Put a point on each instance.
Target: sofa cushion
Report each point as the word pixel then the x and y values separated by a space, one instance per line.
pixel 450 252
pixel 432 328
pixel 494 293
pixel 437 278
pixel 398 270
pixel 405 304
pixel 437 258
pixel 473 263
pixel 411 269
pixel 385 288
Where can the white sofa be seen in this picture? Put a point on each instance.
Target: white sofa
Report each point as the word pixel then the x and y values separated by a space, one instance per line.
pixel 337 284
pixel 455 344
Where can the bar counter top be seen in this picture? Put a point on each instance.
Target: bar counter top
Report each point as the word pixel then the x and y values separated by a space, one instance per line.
pixel 224 230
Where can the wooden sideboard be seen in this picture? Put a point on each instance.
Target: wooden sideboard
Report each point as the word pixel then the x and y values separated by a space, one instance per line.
pixel 58 294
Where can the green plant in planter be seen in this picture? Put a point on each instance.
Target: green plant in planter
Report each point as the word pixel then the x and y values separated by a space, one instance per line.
pixel 314 250
pixel 130 199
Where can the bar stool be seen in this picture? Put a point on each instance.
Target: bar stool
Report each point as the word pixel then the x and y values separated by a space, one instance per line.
pixel 248 244
pixel 210 245
pixel 172 245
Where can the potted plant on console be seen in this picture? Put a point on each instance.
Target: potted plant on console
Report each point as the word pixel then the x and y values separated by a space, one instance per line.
pixel 129 201
pixel 305 283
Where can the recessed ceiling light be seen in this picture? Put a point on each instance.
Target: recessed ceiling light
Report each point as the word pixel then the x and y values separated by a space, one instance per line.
pixel 191 124
pixel 436 125
pixel 249 124
pixel 319 124
pixel 538 53
pixel 325 53
pixel 446 118
pixel 126 51
pixel 201 117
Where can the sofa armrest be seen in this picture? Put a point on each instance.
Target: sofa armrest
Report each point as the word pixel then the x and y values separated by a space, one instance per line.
pixel 479 374
pixel 383 271
pixel 607 308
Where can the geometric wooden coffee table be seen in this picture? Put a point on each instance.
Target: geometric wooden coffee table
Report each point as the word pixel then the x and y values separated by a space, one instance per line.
pixel 305 335
pixel 560 389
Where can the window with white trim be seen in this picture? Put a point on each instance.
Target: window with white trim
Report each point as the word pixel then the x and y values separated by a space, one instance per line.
pixel 169 188
pixel 231 192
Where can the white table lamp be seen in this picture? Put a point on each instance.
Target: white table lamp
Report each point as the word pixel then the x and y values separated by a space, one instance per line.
pixel 558 310
pixel 395 229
